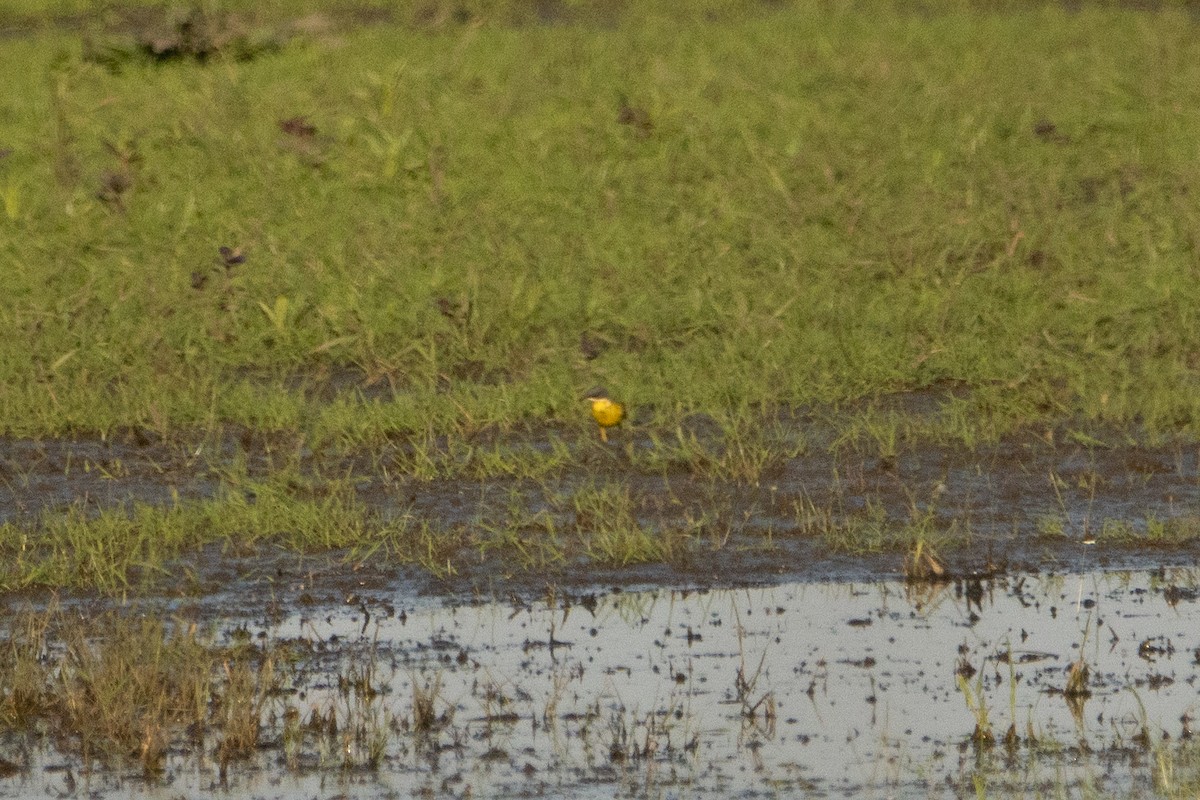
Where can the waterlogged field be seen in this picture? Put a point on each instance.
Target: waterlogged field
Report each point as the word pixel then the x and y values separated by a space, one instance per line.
pixel 1079 685
pixel 300 302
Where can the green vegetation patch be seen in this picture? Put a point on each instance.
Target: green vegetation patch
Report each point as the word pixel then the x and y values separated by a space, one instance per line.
pixel 120 548
pixel 396 229
pixel 115 550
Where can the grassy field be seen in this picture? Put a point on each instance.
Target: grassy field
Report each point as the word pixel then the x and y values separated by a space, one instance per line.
pixel 473 224
pixel 423 231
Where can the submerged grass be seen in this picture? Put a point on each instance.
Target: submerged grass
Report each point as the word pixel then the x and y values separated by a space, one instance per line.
pixel 122 689
pixel 871 529
pixel 118 689
pixel 1149 532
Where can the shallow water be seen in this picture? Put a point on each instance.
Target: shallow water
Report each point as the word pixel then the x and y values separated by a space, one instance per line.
pixel 833 689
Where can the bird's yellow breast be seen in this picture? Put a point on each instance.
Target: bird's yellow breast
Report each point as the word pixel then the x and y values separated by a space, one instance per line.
pixel 607 412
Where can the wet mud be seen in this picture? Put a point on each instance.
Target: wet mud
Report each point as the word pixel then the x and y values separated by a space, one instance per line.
pixel 1047 498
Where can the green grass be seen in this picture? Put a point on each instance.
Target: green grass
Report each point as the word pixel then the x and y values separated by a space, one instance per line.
pixel 116 549
pixel 747 221
pixel 145 547
pixel 829 204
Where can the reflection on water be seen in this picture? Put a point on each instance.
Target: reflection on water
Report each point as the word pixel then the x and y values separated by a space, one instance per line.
pixel 840 689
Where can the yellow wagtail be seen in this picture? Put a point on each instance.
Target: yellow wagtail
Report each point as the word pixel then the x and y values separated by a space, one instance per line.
pixel 606 411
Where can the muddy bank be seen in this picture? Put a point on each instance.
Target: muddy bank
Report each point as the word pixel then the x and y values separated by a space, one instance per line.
pixel 847 509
